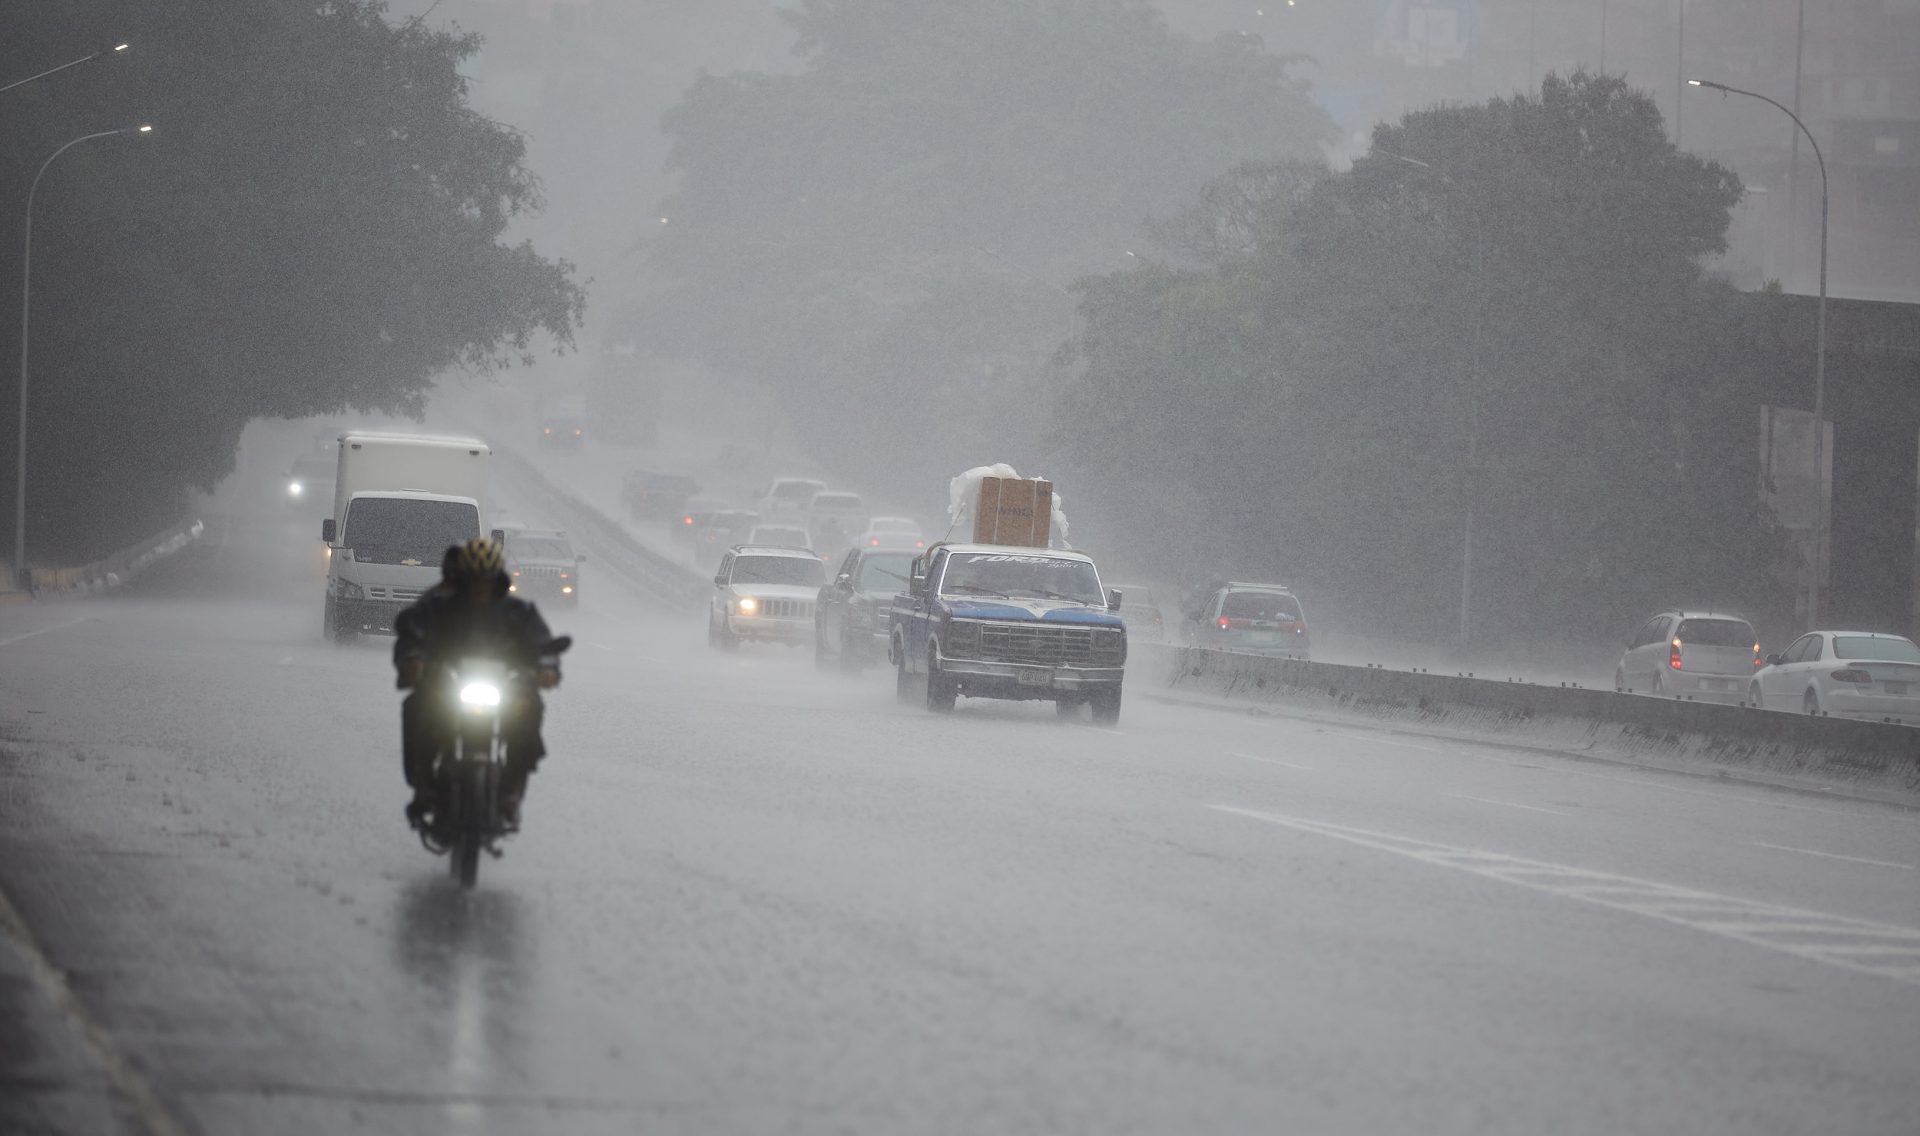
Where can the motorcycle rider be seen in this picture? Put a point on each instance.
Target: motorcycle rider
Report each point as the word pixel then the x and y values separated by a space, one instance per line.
pixel 470 615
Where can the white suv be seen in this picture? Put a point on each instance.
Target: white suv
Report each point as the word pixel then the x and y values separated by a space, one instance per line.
pixel 1690 654
pixel 761 592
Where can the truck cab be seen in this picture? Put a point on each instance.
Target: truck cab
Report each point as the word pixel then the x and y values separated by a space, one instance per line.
pixel 399 501
pixel 1008 622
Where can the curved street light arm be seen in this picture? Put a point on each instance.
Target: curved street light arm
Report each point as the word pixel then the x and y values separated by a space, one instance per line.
pixel 114 50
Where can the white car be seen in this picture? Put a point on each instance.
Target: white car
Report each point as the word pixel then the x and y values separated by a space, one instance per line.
pixel 892 532
pixel 1847 674
pixel 788 496
pixel 781 536
pixel 764 593
pixel 1691 654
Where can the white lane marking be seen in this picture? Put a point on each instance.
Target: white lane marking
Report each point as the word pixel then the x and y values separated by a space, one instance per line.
pixel 1382 741
pixel 1507 804
pixel 1271 761
pixel 1879 949
pixel 12 639
pixel 1835 856
pixel 140 1097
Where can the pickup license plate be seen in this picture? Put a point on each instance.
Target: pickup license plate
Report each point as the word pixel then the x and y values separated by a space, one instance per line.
pixel 1036 678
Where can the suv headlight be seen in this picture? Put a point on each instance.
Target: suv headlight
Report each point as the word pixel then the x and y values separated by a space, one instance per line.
pixel 962 637
pixel 747 605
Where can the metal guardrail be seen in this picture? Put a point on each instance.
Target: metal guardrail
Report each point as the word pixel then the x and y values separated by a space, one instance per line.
pixel 1569 719
pixel 116 569
pixel 669 585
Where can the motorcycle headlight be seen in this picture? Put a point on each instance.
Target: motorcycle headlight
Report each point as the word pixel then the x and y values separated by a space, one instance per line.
pixel 479 695
pixel 295 489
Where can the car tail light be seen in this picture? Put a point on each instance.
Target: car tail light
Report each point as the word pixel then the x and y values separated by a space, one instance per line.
pixel 546 429
pixel 1853 674
pixel 1758 661
pixel 1296 627
pixel 875 542
pixel 1673 660
pixel 919 544
pixel 687 520
pixel 577 433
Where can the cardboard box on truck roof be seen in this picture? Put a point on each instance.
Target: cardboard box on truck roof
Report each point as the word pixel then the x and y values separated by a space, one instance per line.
pixel 1014 511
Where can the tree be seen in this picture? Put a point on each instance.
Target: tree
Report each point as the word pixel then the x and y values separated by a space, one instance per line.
pixel 314 226
pixel 1499 312
pixel 900 219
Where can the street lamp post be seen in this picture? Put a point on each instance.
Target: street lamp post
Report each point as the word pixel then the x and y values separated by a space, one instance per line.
pixel 26 297
pixel 1819 362
pixel 116 49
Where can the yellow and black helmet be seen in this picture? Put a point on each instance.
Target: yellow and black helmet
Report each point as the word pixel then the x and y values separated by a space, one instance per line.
pixel 479 557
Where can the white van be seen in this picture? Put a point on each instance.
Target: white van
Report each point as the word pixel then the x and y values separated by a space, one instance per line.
pixel 398 501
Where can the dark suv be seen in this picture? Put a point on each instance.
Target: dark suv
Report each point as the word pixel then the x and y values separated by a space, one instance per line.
pixel 850 619
pixel 1261 619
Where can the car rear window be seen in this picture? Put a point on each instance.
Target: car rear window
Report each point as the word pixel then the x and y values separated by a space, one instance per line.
pixel 1271 606
pixel 1876 649
pixel 1716 633
pixel 885 573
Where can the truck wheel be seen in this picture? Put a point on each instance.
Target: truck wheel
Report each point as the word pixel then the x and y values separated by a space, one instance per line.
pixel 942 692
pixel 906 687
pixel 721 638
pixel 1106 706
pixel 336 629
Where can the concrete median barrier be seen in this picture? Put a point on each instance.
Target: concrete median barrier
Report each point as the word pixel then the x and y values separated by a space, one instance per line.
pixel 112 571
pixel 1870 755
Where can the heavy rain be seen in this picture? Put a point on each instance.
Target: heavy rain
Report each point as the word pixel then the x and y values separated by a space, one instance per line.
pixel 912 566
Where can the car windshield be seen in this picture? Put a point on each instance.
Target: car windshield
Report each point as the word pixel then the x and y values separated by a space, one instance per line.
pixel 1016 574
pixel 1716 633
pixel 1272 607
pixel 795 490
pixel 885 573
pixel 539 548
pixel 393 530
pixel 801 570
pixel 1875 649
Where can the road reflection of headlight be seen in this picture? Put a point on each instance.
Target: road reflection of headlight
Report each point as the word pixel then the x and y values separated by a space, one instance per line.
pixel 480 695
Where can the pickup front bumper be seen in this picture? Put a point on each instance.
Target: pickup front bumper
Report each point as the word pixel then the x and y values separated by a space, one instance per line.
pixel 985 678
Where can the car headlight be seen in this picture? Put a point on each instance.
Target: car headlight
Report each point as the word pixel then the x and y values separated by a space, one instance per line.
pixel 295 489
pixel 962 636
pixel 351 591
pixel 479 695
pixel 747 605
pixel 566 589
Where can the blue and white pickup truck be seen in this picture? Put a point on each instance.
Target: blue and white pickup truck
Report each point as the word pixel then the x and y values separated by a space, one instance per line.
pixel 994 621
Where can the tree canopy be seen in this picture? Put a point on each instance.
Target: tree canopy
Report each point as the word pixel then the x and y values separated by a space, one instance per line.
pixel 314 225
pixel 1500 311
pixel 901 217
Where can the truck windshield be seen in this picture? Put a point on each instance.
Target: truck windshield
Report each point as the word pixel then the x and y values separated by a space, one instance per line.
pixel 397 530
pixel 1016 575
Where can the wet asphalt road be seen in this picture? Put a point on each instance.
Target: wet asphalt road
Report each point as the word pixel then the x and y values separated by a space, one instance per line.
pixel 754 898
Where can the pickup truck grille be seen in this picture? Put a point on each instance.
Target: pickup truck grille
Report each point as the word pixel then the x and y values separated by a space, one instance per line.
pixel 544 575
pixel 786 609
pixel 405 595
pixel 1046 645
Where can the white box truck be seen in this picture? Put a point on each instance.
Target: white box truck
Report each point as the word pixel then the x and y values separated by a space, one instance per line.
pixel 398 501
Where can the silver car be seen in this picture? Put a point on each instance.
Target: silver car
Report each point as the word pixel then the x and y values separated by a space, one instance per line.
pixel 1701 655
pixel 1850 674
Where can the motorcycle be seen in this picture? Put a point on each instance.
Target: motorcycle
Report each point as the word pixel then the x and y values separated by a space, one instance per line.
pixel 467 817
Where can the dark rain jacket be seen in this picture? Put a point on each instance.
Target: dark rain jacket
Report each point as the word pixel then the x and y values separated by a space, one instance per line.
pixel 441 627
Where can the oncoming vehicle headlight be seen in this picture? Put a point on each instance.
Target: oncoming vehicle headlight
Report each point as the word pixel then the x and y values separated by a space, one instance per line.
pixel 479 695
pixel 962 635
pixel 748 606
pixel 295 489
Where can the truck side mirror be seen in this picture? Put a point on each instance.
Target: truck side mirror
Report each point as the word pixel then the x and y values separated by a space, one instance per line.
pixel 720 579
pixel 327 530
pixel 917 585
pixel 1773 660
pixel 1113 599
pixel 498 536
